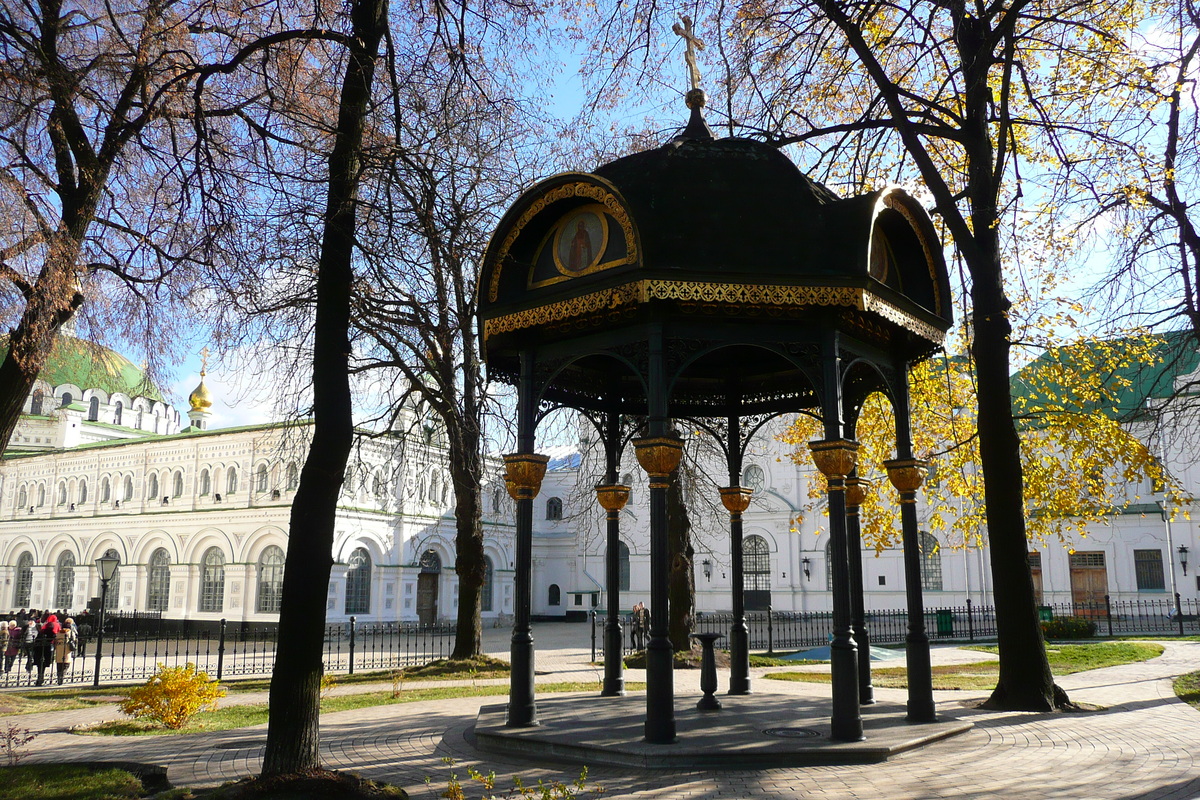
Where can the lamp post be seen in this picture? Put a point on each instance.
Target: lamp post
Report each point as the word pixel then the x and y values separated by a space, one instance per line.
pixel 1183 551
pixel 107 565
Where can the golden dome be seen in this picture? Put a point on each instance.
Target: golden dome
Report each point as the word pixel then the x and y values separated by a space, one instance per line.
pixel 200 399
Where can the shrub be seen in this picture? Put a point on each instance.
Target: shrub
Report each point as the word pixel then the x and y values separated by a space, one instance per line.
pixel 12 739
pixel 172 696
pixel 1068 628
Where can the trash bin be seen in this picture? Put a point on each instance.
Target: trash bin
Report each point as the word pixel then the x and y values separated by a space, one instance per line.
pixel 945 622
pixel 1045 613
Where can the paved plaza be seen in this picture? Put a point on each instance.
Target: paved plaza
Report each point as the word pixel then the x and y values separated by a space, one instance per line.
pixel 1144 744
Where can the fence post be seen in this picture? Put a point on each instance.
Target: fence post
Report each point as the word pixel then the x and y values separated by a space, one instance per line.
pixel 1108 613
pixel 970 622
pixel 221 651
pixel 770 631
pixel 353 620
pixel 593 636
pixel 1179 612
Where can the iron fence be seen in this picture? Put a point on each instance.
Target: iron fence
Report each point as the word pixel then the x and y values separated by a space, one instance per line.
pixel 130 654
pixel 802 630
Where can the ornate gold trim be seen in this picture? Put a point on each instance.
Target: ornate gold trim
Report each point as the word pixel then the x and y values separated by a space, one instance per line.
pixel 612 497
pixel 659 456
pixel 907 475
pixel 736 499
pixel 856 492
pixel 836 458
pixel 712 293
pixel 574 189
pixel 524 471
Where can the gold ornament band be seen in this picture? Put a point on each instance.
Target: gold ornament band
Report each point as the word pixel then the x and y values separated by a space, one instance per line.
pixel 524 473
pixel 836 458
pixel 612 497
pixel 736 499
pixel 907 475
pixel 659 456
pixel 856 492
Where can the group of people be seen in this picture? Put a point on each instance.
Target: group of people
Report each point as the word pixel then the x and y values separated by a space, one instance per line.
pixel 640 627
pixel 42 639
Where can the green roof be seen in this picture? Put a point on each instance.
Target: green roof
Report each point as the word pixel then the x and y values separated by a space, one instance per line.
pixel 91 366
pixel 1170 355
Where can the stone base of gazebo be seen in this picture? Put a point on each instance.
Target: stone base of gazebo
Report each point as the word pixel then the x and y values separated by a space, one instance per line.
pixel 750 731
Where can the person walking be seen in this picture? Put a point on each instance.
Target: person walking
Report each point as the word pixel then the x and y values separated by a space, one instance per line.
pixel 12 644
pixel 29 634
pixel 44 646
pixel 64 648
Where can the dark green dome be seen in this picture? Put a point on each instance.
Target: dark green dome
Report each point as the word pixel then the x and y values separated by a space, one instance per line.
pixel 92 366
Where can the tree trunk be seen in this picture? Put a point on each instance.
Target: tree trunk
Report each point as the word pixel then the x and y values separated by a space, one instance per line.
pixel 681 585
pixel 293 733
pixel 466 472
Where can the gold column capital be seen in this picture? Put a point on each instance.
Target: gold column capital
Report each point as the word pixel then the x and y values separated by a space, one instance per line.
pixel 736 499
pixel 836 458
pixel 907 475
pixel 524 473
pixel 856 493
pixel 613 496
pixel 659 456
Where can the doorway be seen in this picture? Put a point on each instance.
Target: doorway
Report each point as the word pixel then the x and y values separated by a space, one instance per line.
pixel 1089 583
pixel 427 587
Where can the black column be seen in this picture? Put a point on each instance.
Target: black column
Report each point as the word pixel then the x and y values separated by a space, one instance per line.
pixel 907 474
pixel 613 498
pixel 523 478
pixel 856 489
pixel 736 499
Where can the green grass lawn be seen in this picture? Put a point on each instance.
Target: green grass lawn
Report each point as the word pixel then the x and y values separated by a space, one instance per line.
pixel 67 782
pixel 242 716
pixel 1187 688
pixel 982 675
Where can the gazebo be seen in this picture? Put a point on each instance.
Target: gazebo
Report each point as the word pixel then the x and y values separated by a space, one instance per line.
pixel 709 280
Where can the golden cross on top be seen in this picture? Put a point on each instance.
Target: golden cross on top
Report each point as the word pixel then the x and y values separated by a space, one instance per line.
pixel 204 361
pixel 684 28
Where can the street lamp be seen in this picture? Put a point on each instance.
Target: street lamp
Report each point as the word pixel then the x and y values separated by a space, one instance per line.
pixel 1183 551
pixel 708 569
pixel 807 564
pixel 108 568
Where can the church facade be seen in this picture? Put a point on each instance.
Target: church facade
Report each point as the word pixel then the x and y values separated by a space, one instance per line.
pixel 198 516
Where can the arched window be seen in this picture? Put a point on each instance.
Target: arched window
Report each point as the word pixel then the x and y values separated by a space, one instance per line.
pixel 177 491
pixel 22 497
pixel 270 580
pixel 554 508
pixel 754 478
pixel 41 495
pixel 377 485
pixel 23 586
pixel 622 565
pixel 358 582
pixel 112 599
pixel 62 493
pixel 293 477
pixel 67 399
pixel 931 563
pixel 435 487
pixel 231 481
pixel 139 419
pixel 105 490
pixel 205 482
pixel 485 591
pixel 117 412
pixel 212 580
pixel 64 580
pixel 83 494
pixel 128 488
pixel 496 500
pixel 554 597
pixel 158 593
pixel 93 409
pixel 262 478
pixel 35 405
pixel 152 487
pixel 756 564
pixel 431 561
